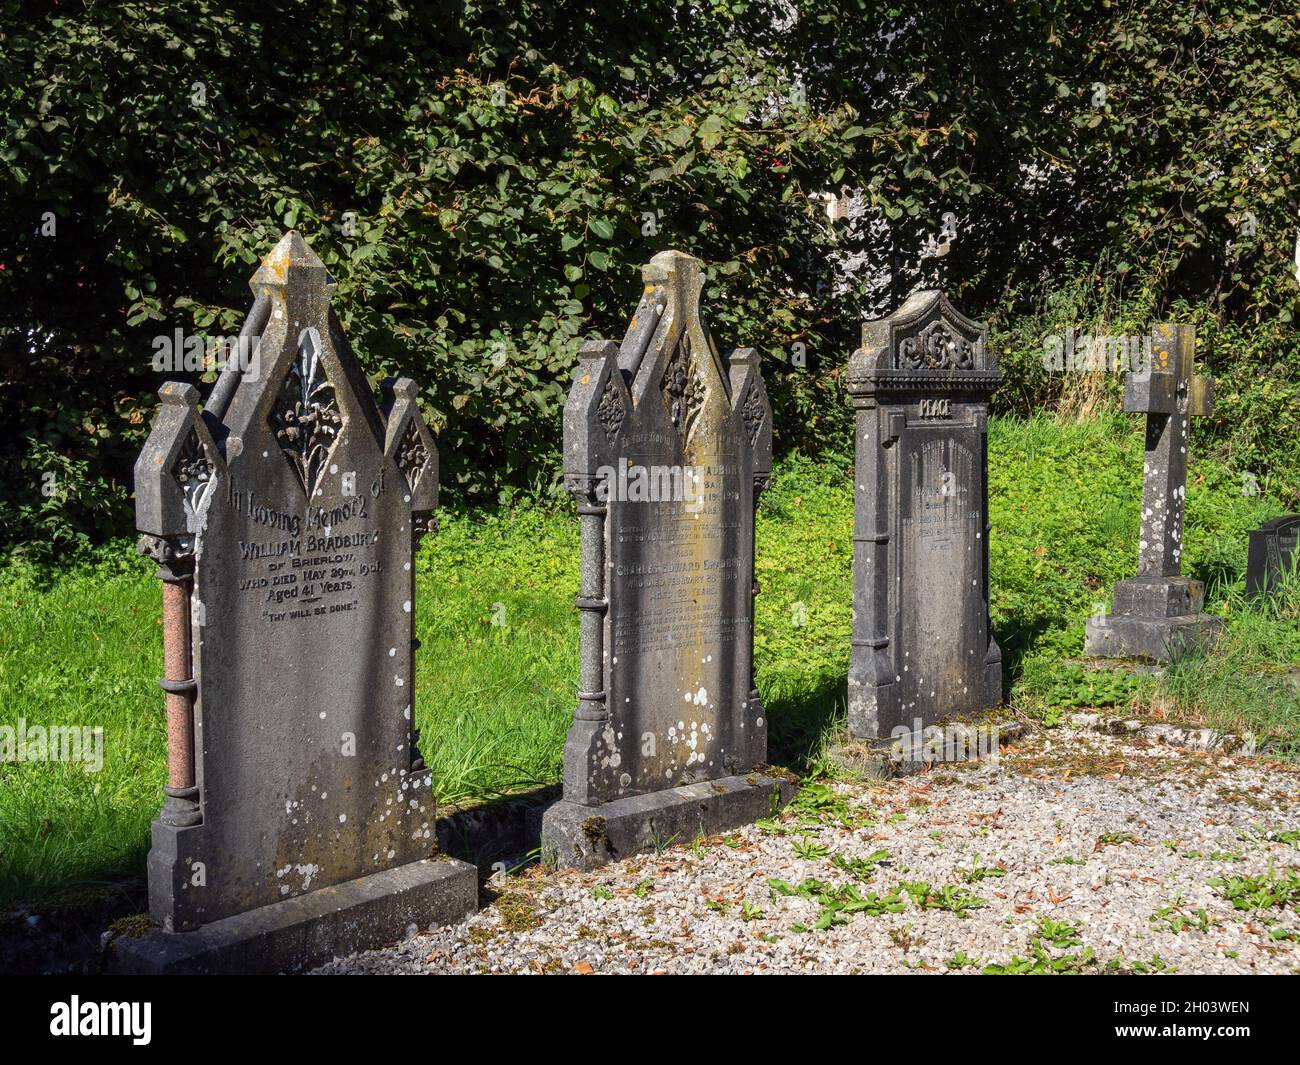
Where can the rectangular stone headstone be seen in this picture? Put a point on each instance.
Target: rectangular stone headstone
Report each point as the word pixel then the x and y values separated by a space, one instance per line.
pixel 285 515
pixel 923 646
pixel 667 446
pixel 1273 551
pixel 1157 614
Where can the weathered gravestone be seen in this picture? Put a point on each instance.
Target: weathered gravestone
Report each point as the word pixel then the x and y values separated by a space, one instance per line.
pixel 923 647
pixel 299 821
pixel 666 449
pixel 1272 553
pixel 1157 614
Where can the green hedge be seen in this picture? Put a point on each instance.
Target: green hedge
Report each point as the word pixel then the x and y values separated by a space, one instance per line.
pixel 479 175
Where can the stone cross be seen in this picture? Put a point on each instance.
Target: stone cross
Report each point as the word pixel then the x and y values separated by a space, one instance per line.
pixel 1170 395
pixel 1157 614
pixel 667 447
pixel 299 816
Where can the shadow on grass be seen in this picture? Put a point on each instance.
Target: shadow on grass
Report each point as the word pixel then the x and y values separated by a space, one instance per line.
pixel 60 931
pixel 799 721
pixel 1018 640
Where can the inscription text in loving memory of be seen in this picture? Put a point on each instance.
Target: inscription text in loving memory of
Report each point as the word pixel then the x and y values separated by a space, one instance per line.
pixel 323 563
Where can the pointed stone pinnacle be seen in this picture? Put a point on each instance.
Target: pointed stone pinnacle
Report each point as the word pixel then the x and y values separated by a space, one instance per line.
pixel 668 264
pixel 291 261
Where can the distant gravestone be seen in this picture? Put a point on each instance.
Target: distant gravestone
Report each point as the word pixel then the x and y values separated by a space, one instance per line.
pixel 1272 552
pixel 667 446
pixel 299 821
pixel 923 647
pixel 1157 614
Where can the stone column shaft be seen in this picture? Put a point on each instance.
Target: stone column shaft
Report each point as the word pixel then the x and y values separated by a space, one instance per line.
pixel 181 807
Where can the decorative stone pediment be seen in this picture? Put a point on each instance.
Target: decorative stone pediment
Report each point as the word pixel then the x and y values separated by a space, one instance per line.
pixel 926 343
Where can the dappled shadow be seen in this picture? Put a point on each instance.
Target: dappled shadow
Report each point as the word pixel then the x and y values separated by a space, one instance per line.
pixel 798 721
pixel 1017 639
pixel 1219 575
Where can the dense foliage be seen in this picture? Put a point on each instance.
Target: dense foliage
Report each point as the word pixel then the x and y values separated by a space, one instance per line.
pixel 481 178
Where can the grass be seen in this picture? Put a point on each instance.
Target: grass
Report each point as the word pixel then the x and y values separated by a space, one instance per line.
pixel 497 673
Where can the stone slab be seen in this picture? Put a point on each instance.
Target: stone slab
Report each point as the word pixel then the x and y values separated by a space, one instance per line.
pixel 667 448
pixel 586 837
pixel 1160 639
pixel 309 930
pixel 285 515
pixel 1273 551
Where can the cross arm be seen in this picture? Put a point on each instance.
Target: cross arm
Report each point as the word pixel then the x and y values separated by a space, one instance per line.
pixel 1155 392
pixel 1200 396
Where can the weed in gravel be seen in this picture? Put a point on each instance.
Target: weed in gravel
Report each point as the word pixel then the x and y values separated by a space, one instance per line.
pixel 1174 918
pixel 1061 934
pixel 1051 936
pixel 516 913
pixel 861 869
pixel 1291 837
pixel 950 898
pixel 818 804
pixel 902 938
pixel 1271 890
pixel 809 849
pixel 977 873
pixel 837 903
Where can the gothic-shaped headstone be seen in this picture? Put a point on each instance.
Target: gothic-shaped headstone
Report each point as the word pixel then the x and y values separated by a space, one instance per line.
pixel 299 819
pixel 667 446
pixel 1274 551
pixel 923 647
pixel 1157 614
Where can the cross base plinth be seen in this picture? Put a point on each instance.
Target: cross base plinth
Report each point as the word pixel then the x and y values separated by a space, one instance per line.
pixel 1160 639
pixel 1159 597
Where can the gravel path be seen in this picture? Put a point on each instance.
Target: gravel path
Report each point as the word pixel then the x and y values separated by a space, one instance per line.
pixel 1076 852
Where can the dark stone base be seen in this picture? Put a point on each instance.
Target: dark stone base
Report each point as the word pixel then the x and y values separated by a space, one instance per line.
pixel 586 837
pixel 1160 638
pixel 303 932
